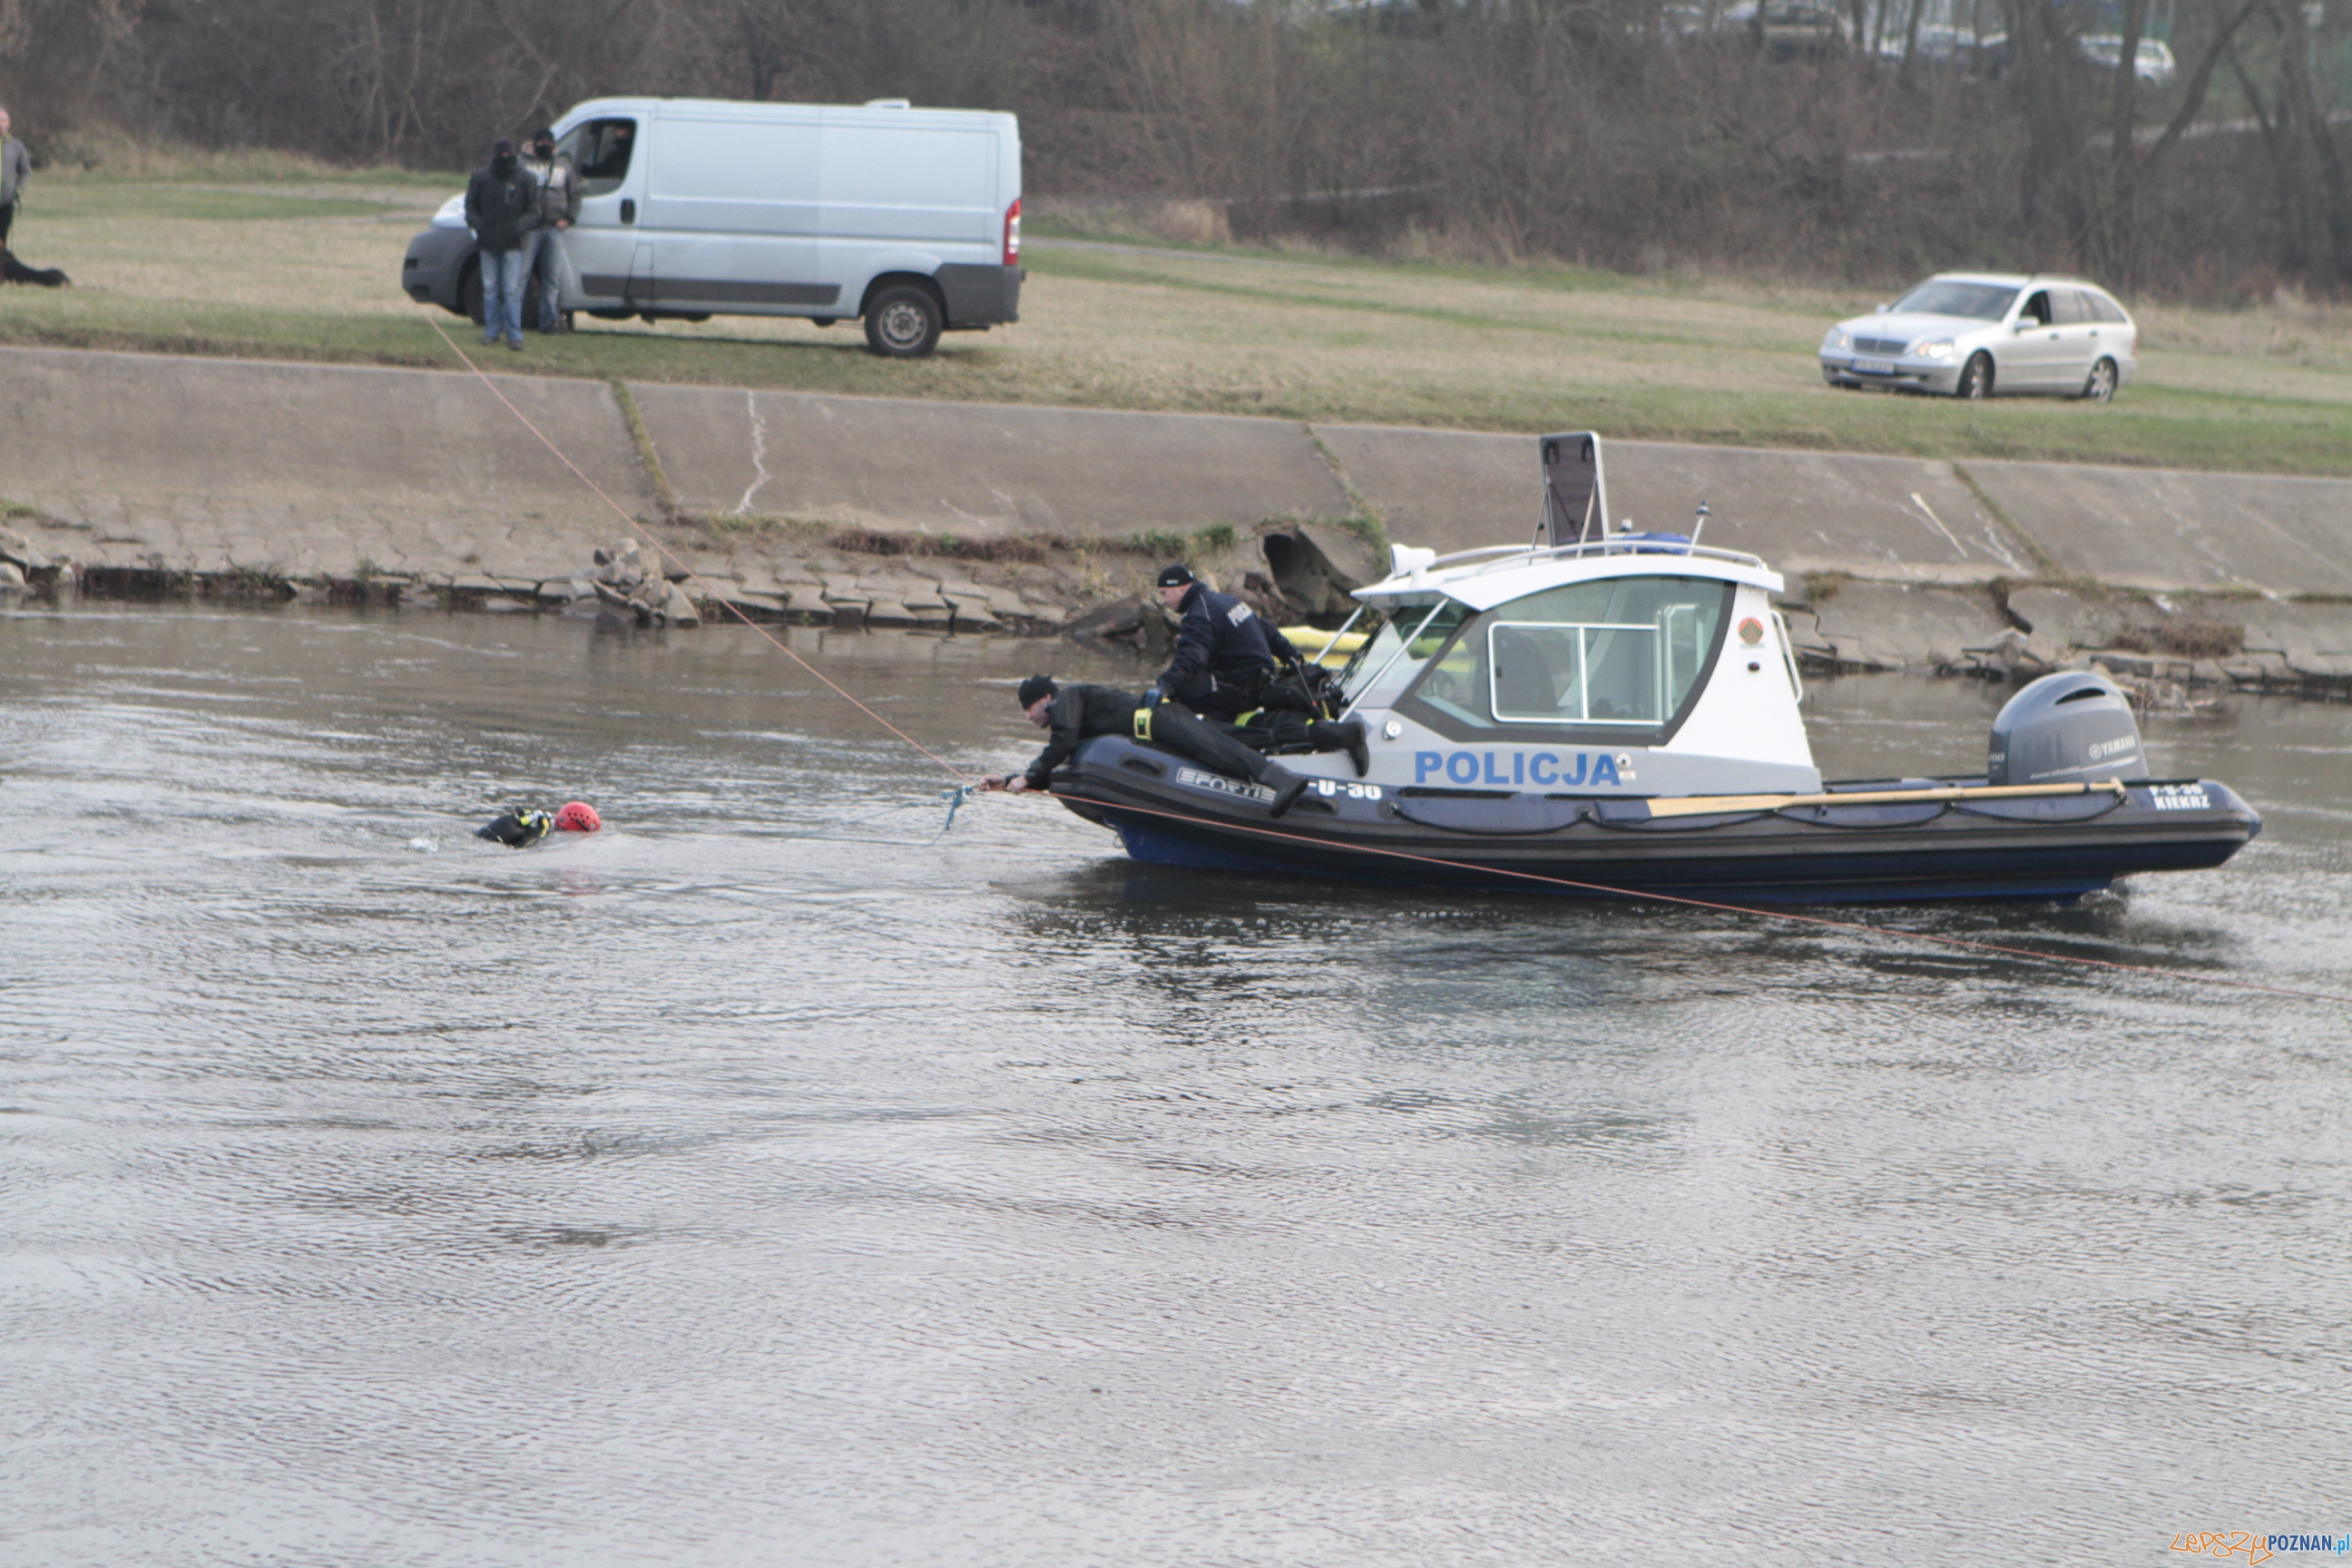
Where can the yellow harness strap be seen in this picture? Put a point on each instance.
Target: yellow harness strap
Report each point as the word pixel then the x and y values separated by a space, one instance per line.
pixel 1143 723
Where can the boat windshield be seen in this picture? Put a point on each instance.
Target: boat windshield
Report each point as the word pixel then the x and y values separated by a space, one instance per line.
pixel 1387 662
pixel 1617 656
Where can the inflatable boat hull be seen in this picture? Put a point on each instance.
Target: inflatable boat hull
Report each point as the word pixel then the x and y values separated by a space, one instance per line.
pixel 1170 812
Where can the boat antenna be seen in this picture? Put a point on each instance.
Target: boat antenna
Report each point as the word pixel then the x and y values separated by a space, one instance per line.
pixel 1698 524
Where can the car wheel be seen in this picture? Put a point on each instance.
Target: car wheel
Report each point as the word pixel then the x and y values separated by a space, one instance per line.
pixel 2101 387
pixel 1976 379
pixel 470 291
pixel 903 322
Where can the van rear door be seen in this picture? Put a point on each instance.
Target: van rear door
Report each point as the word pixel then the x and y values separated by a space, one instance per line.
pixel 732 207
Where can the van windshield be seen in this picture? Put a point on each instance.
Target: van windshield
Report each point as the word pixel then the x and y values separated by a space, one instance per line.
pixel 599 150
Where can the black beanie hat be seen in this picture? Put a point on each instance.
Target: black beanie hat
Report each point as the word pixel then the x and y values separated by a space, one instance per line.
pixel 1175 576
pixel 503 148
pixel 1035 687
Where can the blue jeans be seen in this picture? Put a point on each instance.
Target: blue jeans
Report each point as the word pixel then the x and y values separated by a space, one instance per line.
pixel 503 275
pixel 546 257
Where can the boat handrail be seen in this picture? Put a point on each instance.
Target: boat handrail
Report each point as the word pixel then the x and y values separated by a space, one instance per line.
pixel 1491 555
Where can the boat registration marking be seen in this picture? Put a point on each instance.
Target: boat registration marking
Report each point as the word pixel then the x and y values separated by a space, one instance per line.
pixel 1223 785
pixel 2180 797
pixel 1353 791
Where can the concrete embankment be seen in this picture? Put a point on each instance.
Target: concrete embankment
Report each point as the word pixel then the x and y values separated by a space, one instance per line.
pixel 240 476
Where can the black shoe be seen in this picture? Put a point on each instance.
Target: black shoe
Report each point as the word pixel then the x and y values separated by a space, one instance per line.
pixel 1286 794
pixel 1351 737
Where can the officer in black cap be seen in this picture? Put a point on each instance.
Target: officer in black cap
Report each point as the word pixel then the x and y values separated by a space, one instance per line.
pixel 1225 652
pixel 1080 713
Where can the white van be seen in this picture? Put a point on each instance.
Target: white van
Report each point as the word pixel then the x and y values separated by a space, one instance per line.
pixel 695 207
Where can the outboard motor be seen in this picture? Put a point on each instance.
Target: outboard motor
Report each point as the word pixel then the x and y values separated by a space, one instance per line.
pixel 2067 728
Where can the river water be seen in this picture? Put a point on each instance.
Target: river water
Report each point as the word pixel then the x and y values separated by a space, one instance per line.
pixel 707 1192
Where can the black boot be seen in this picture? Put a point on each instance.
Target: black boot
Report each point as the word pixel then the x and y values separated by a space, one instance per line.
pixel 1329 735
pixel 1287 787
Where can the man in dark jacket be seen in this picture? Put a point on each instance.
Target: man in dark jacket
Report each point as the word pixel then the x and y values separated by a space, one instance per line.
pixel 1225 653
pixel 502 209
pixel 1076 714
pixel 559 209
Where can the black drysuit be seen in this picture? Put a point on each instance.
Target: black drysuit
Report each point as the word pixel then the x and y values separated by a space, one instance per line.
pixel 1080 713
pixel 1225 653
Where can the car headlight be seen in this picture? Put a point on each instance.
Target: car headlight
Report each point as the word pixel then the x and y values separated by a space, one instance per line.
pixel 1940 348
pixel 1838 342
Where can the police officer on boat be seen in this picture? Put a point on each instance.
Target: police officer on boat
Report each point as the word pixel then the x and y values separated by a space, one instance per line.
pixel 1225 652
pixel 1080 713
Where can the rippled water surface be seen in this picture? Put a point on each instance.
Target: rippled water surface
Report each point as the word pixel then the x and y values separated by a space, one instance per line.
pixel 703 1192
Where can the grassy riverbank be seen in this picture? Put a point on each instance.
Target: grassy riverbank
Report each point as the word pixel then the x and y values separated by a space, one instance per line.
pixel 292 262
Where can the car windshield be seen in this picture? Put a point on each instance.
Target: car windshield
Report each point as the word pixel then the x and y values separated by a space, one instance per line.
pixel 1939 297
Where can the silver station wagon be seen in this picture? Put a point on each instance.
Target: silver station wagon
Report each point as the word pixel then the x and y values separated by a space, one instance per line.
pixel 1972 334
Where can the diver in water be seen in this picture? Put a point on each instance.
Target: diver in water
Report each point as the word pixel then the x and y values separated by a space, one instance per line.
pixel 521 828
pixel 1078 712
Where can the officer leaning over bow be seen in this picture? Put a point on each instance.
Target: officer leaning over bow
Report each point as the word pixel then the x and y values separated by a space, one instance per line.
pixel 1225 653
pixel 1080 713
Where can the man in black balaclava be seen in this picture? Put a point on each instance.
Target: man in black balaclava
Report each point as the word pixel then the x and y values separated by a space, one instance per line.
pixel 502 209
pixel 1076 714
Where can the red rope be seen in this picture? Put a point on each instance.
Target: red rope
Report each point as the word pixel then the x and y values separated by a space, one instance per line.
pixel 1367 848
pixel 1741 908
pixel 647 535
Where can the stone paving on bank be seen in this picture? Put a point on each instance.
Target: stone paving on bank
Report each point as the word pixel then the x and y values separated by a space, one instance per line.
pixel 422 486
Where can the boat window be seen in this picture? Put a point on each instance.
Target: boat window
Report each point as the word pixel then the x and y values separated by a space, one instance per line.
pixel 599 150
pixel 1387 664
pixel 1620 654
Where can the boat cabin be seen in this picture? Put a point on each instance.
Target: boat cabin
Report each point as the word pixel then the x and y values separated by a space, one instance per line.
pixel 1636 664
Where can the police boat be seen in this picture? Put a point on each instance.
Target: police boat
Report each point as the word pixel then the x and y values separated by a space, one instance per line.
pixel 1613 715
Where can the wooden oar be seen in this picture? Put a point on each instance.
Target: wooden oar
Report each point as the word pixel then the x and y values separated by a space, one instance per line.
pixel 1708 804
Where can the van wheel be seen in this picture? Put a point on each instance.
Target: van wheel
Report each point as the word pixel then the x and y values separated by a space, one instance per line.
pixel 903 322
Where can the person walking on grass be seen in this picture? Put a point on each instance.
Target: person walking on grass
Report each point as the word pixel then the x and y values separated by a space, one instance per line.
pixel 502 209
pixel 559 209
pixel 16 167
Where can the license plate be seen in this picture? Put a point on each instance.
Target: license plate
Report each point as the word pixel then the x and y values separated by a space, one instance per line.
pixel 1874 366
